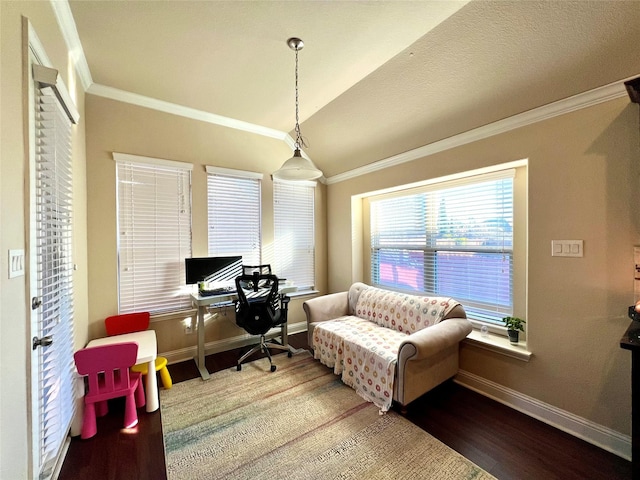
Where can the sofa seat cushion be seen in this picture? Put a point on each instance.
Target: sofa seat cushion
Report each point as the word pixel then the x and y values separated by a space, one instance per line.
pixel 364 353
pixel 400 311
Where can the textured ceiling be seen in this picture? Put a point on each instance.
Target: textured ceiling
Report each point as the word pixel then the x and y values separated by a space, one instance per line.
pixel 376 78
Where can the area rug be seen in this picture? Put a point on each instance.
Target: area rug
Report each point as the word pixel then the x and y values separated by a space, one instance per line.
pixel 299 422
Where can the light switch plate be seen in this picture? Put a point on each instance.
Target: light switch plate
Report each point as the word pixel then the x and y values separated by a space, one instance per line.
pixel 16 263
pixel 567 248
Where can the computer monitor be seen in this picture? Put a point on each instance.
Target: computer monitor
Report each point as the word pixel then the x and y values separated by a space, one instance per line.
pixel 212 269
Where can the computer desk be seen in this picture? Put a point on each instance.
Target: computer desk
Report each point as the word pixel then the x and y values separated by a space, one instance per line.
pixel 223 300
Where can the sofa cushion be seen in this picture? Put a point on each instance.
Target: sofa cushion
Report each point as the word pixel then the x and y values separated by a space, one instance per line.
pixel 363 352
pixel 400 311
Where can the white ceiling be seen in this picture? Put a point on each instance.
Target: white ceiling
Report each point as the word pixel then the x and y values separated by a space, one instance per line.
pixel 377 78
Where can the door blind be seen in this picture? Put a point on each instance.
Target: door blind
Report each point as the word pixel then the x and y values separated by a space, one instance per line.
pixel 234 219
pixel 294 233
pixel 53 216
pixel 154 235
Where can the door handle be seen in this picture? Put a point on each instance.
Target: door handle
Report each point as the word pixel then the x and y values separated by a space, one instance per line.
pixel 35 303
pixel 42 342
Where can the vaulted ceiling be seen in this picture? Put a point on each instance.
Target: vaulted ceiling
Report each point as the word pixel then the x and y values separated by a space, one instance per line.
pixel 377 78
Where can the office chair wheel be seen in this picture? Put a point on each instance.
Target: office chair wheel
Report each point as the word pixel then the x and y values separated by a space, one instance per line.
pixel 273 368
pixel 239 367
pixel 289 354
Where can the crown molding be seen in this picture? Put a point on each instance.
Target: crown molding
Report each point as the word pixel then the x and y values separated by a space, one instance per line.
pixel 69 31
pixel 175 109
pixel 583 100
pixel 67 25
pixel 561 107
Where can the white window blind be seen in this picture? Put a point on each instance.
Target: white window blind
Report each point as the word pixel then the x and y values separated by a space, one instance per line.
pixel 154 233
pixel 234 221
pixel 454 239
pixel 54 235
pixel 294 234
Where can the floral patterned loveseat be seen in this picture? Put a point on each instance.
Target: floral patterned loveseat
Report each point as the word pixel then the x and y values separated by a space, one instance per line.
pixel 388 346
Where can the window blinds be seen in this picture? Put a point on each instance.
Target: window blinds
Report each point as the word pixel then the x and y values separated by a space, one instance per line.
pixel 54 234
pixel 454 239
pixel 154 233
pixel 234 221
pixel 294 234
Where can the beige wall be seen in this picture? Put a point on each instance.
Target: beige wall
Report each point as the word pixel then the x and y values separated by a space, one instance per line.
pixel 15 332
pixel 118 127
pixel 583 184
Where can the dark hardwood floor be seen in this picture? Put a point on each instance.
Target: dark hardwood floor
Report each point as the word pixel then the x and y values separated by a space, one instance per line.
pixel 506 443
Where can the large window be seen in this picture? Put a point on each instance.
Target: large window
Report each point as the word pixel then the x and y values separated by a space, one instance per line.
pixel 234 221
pixel 154 233
pixel 294 233
pixel 451 239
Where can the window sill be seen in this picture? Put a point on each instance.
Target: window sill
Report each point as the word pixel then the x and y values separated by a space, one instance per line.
pixel 499 344
pixel 302 293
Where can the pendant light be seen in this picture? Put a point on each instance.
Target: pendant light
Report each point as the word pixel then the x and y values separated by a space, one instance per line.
pixel 297 167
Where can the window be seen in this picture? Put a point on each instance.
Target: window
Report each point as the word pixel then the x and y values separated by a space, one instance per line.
pixel 154 233
pixel 452 239
pixel 234 202
pixel 294 235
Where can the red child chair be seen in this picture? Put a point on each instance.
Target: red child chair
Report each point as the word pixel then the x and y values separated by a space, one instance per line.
pixel 107 369
pixel 136 322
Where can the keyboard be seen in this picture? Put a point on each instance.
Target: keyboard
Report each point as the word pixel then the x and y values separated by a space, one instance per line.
pixel 216 291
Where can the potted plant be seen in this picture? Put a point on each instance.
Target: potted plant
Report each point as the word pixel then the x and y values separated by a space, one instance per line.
pixel 514 326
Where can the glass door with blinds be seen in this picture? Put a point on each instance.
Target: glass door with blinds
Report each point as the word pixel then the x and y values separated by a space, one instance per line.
pixel 51 272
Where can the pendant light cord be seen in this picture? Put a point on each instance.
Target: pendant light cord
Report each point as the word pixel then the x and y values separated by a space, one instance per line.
pixel 299 142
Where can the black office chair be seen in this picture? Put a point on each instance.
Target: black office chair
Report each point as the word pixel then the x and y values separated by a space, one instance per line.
pixel 251 269
pixel 259 308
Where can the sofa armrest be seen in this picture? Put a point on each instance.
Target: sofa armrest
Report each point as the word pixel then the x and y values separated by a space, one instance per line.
pixel 326 307
pixel 432 340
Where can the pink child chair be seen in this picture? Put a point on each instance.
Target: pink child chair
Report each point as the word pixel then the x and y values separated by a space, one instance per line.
pixel 107 368
pixel 136 322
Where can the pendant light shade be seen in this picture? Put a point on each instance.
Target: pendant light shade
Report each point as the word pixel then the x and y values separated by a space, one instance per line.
pixel 297 167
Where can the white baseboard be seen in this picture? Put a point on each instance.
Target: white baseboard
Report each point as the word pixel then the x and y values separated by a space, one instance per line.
pixel 591 432
pixel 183 354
